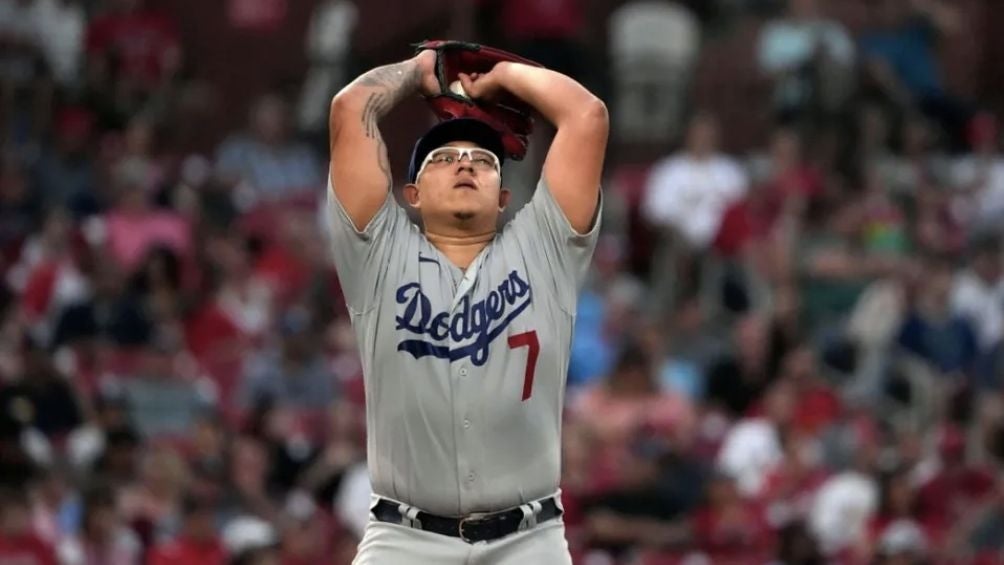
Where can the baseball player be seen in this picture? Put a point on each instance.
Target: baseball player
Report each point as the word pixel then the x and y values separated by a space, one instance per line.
pixel 464 327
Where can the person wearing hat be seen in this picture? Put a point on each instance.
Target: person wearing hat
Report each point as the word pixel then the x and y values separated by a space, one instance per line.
pixel 464 326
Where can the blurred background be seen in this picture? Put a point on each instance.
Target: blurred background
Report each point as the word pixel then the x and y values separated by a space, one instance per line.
pixel 789 349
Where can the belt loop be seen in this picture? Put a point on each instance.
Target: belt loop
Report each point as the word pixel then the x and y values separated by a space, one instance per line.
pixel 409 516
pixel 530 512
pixel 529 520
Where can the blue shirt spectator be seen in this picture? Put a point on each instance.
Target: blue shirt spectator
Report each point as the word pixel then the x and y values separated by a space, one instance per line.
pixel 268 164
pixel 908 50
pixel 948 344
pixel 931 331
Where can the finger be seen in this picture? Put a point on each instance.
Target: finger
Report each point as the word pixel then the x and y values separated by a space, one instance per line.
pixel 467 83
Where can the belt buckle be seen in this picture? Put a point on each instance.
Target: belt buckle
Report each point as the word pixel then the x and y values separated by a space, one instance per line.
pixel 460 528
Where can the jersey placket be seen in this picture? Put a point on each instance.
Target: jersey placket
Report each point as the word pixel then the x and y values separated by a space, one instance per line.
pixel 464 376
pixel 468 473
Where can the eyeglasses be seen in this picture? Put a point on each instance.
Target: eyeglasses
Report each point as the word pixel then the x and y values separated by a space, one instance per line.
pixel 480 159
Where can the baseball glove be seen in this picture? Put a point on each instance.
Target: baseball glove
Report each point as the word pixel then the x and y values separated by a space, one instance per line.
pixel 510 116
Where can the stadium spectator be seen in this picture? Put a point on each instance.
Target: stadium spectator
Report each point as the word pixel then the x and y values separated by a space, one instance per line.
pixel 197 543
pixel 729 528
pixel 736 380
pixel 65 173
pixel 933 333
pixel 104 539
pixel 633 404
pixel 266 164
pixel 294 374
pixel 900 58
pixel 979 176
pixel 689 191
pixel 136 47
pixel 107 315
pixel 686 196
pixel 39 398
pixel 809 57
pixel 646 509
pixel 18 543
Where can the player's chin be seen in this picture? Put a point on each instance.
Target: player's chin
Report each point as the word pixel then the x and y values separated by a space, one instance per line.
pixel 468 212
pixel 463 213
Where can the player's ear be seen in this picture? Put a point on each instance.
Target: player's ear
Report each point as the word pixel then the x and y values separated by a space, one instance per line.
pixel 504 196
pixel 411 195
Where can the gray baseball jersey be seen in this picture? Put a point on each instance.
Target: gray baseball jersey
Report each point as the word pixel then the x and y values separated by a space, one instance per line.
pixel 464 371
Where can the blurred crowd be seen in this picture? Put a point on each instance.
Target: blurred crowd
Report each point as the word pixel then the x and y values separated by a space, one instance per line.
pixel 786 354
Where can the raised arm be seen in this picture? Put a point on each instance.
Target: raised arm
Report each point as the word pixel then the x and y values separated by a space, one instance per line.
pixel 360 169
pixel 574 163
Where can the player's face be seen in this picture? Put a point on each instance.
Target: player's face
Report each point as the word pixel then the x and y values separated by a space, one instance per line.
pixel 459 182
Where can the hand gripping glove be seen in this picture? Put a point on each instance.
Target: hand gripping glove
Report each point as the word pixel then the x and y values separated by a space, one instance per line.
pixel 510 116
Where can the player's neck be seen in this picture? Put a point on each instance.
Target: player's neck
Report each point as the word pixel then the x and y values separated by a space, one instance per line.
pixel 460 248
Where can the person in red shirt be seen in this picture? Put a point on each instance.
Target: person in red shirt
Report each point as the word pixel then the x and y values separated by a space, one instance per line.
pixel 749 224
pixel 818 406
pixel 898 505
pixel 731 530
pixel 790 488
pixel 294 260
pixel 308 538
pixel 198 543
pixel 19 545
pixel 790 175
pixel 547 31
pixel 142 45
pixel 957 487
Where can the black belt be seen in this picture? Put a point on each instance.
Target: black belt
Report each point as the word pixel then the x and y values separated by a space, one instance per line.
pixel 471 529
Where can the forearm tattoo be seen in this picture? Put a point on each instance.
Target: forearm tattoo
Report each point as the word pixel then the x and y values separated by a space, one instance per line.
pixel 387 86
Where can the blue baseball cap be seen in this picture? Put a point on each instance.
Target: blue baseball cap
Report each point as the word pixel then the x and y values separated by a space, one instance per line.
pixel 458 129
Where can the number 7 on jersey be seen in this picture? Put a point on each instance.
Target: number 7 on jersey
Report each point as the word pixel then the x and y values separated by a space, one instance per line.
pixel 527 339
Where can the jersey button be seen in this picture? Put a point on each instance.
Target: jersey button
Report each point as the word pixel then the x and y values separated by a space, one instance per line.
pixel 467 424
pixel 470 477
pixel 463 370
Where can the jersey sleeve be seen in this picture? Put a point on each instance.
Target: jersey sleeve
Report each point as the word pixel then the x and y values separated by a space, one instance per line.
pixel 362 257
pixel 552 245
